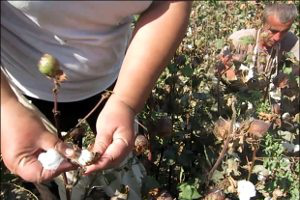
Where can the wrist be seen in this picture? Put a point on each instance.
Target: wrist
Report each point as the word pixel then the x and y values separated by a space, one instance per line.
pixel 124 102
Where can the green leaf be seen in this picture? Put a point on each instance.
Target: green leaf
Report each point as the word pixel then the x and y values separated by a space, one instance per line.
pixel 172 68
pixel 188 191
pixel 219 43
pixel 187 71
pixel 287 70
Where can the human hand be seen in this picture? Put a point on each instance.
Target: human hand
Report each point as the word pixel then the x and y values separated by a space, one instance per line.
pixel 115 134
pixel 23 138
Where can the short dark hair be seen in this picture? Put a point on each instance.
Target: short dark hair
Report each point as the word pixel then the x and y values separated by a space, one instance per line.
pixel 284 12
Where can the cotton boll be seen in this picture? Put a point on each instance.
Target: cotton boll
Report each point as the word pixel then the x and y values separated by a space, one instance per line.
pixel 85 157
pixel 51 159
pixel 276 95
pixel 72 176
pixel 261 177
pixel 296 148
pixel 286 116
pixel 63 133
pixel 246 190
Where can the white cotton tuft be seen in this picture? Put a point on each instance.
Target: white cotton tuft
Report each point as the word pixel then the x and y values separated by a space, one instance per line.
pixel 261 177
pixel 85 157
pixel 50 159
pixel 246 190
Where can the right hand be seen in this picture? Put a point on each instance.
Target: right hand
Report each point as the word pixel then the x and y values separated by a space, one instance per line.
pixel 23 138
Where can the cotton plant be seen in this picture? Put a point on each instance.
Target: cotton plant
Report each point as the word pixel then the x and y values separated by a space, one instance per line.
pixel 49 66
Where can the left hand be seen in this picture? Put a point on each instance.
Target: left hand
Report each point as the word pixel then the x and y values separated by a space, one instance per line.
pixel 115 134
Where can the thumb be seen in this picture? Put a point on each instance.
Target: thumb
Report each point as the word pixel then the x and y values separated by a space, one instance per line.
pixel 51 141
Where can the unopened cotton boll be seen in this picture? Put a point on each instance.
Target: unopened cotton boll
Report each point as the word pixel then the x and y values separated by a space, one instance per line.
pixel 85 157
pixel 50 159
pixel 246 190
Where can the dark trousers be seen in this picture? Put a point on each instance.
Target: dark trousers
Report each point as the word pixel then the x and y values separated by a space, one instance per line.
pixel 71 112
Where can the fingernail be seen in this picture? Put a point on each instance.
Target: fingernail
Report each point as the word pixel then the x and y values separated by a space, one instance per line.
pixel 69 152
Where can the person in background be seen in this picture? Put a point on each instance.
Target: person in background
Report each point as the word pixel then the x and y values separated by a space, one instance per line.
pixel 254 58
pixel 97 50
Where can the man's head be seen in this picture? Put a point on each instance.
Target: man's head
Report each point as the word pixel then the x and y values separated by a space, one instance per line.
pixel 278 19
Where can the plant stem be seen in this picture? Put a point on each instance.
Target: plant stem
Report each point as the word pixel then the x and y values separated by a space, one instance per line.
pixel 56 114
pixel 253 160
pixel 226 142
pixel 104 96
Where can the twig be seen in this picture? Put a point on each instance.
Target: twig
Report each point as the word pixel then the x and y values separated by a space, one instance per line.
pixel 22 188
pixel 231 134
pixel 218 94
pixel 139 123
pixel 253 160
pixel 104 96
pixel 55 111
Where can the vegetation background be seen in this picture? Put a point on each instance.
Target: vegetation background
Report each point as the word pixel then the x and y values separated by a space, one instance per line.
pixel 183 111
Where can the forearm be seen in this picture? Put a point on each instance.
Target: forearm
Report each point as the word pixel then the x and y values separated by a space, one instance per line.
pixel 157 35
pixel 15 117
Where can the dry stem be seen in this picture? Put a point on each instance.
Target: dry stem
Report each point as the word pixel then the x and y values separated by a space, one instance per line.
pixel 253 160
pixel 57 125
pixel 231 134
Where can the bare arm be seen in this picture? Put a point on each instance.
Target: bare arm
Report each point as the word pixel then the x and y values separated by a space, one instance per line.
pixel 23 137
pixel 158 33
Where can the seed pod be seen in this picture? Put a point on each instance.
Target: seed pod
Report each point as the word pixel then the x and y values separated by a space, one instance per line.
pixel 84 157
pixel 221 128
pixel 49 65
pixel 215 195
pixel 258 128
pixel 141 144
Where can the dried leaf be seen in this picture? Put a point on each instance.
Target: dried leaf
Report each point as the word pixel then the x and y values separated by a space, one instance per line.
pixel 215 195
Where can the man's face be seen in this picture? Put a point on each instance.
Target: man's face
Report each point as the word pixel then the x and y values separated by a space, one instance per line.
pixel 276 30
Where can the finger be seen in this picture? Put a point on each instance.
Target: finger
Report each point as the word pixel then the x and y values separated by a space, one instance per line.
pixel 50 141
pixel 31 170
pixel 103 140
pixel 114 154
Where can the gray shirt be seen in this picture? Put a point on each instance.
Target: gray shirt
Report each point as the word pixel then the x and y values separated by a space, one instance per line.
pixel 89 38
